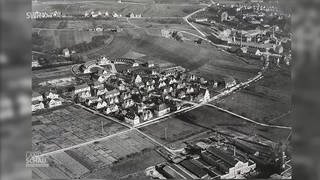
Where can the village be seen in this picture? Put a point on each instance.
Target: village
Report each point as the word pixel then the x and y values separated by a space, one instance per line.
pixel 136 89
pixel 134 94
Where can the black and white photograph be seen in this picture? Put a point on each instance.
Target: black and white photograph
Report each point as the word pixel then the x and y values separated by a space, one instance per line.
pixel 157 89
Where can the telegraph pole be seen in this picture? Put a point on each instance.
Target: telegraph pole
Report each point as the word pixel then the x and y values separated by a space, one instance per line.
pixel 102 129
pixel 165 133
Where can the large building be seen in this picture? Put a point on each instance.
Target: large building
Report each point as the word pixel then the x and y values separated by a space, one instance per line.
pixel 227 165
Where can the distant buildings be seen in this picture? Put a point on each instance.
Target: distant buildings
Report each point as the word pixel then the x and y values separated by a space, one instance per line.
pixel 66 52
pixel 229 82
pixel 132 15
pixel 48 100
pixel 201 19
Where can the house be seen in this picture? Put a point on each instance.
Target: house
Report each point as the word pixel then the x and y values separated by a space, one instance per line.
pixel 104 61
pixel 151 82
pixel 54 102
pixel 101 105
pixel 85 94
pixel 167 90
pixel 162 78
pixel 37 96
pixel 192 77
pixel 204 95
pixel 154 72
pixel 138 79
pixel 150 88
pixel 181 85
pixel 161 84
pixel 251 51
pixel 173 81
pixel 127 103
pixel 111 109
pixel 113 100
pixel 161 109
pixel 190 90
pixel 132 118
pixel 135 64
pixel 37 105
pixel 181 94
pixel 52 95
pixel 146 115
pixel 101 91
pixel 121 87
pixel 92 100
pixel 125 95
pixel 139 108
pixel 81 88
pixel 66 52
pixel 145 97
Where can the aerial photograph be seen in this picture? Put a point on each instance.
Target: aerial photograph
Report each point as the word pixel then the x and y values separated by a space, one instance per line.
pixel 161 89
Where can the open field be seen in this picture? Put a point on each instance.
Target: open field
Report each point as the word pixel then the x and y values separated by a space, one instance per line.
pixel 267 101
pixel 65 127
pixel 131 168
pixel 207 119
pixel 80 24
pixel 95 160
pixel 210 61
pixel 39 76
pixel 64 38
pixel 175 129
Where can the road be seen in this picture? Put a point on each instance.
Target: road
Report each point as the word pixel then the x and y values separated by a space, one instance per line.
pixel 249 120
pixel 194 27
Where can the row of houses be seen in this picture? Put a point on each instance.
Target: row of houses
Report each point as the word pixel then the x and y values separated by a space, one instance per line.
pixel 43 101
